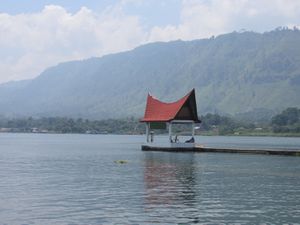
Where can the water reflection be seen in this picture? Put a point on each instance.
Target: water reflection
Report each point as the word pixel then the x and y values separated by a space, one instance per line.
pixel 170 182
pixel 220 188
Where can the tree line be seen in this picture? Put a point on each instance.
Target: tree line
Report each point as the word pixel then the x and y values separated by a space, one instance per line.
pixel 69 125
pixel 288 122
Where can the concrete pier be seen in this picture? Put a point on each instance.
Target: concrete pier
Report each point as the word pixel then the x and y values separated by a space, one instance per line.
pixel 199 149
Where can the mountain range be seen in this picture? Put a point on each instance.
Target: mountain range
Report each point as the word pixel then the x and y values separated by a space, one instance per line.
pixel 240 73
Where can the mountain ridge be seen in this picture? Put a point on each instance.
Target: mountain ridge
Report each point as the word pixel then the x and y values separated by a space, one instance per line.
pixel 233 73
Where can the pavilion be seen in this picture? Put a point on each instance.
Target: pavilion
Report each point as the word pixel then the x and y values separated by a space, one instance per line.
pixel 161 115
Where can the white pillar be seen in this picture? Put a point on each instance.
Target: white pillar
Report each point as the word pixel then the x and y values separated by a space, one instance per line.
pixel 193 129
pixel 147 131
pixel 170 131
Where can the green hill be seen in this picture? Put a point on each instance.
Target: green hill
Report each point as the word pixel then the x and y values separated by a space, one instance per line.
pixel 236 73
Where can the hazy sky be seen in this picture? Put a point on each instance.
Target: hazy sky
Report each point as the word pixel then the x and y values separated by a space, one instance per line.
pixel 36 34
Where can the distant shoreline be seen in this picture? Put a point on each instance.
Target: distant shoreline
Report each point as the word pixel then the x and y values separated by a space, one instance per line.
pixel 285 124
pixel 207 134
pixel 253 134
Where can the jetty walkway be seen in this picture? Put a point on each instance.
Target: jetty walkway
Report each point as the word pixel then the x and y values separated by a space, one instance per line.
pixel 200 149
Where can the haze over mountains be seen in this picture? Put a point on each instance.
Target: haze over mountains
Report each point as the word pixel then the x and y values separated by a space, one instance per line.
pixel 233 73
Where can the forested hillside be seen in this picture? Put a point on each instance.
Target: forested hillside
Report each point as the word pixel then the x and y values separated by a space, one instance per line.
pixel 242 74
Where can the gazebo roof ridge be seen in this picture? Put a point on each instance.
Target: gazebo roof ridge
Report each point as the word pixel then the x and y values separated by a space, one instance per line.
pixel 172 102
pixel 183 109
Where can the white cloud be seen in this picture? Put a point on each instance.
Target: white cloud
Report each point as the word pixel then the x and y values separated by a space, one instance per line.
pixel 202 19
pixel 29 43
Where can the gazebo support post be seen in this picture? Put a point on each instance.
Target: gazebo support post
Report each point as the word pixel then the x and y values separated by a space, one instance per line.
pixel 170 131
pixel 147 131
pixel 193 129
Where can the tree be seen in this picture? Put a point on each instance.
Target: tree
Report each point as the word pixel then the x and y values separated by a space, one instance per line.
pixel 289 116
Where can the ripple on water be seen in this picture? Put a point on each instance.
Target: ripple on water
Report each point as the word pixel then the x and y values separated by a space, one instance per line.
pixel 74 180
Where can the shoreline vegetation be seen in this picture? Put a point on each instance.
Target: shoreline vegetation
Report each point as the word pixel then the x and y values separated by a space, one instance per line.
pixel 285 124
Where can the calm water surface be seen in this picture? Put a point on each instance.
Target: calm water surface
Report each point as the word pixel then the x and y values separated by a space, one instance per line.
pixel 73 179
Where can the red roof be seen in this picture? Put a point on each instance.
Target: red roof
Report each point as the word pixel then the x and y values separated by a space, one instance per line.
pixel 183 109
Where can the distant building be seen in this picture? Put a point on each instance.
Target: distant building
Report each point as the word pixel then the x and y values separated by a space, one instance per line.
pixel 4 129
pixel 34 130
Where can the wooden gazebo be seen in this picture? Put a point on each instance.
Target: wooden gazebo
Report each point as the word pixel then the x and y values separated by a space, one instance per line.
pixel 159 114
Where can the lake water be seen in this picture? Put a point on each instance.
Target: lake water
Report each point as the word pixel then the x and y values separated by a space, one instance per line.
pixel 73 179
